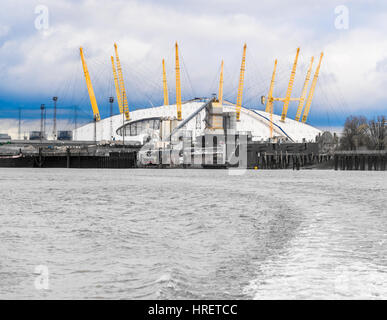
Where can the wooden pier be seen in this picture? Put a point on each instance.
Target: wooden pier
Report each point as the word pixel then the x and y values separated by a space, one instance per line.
pixel 360 160
pixel 293 161
pixel 287 156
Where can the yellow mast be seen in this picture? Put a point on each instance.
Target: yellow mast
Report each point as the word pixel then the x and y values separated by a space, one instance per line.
pixel 178 85
pixel 220 95
pixel 116 84
pixel 240 87
pixel 269 103
pixel 311 91
pixel 290 87
pixel 122 86
pixel 93 101
pixel 304 90
pixel 165 87
pixel 270 95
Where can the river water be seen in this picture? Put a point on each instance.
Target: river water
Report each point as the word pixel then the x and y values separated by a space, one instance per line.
pixel 192 234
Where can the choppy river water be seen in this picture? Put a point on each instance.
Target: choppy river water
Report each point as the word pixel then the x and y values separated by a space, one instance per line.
pixel 175 234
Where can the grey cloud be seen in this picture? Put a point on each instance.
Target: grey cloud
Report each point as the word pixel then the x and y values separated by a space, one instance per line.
pixel 207 31
pixel 381 66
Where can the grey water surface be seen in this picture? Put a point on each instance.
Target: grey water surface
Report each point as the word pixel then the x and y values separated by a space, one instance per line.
pixel 193 234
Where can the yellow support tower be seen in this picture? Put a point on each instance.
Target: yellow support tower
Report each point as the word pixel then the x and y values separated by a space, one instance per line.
pixel 240 87
pixel 178 85
pixel 269 103
pixel 304 90
pixel 122 86
pixel 220 95
pixel 271 89
pixel 290 87
pixel 93 101
pixel 117 86
pixel 311 91
pixel 165 87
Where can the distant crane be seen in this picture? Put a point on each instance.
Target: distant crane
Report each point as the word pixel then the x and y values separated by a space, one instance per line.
pixel 90 90
pixel 240 87
pixel 165 86
pixel 45 120
pixel 75 121
pixel 19 125
pixel 178 84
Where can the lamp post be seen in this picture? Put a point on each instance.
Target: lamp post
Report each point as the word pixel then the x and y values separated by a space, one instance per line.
pixel 111 100
pixel 55 99
pixel 41 122
pixel 95 130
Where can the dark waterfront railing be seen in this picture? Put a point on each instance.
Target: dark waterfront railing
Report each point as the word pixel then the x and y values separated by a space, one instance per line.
pixel 73 158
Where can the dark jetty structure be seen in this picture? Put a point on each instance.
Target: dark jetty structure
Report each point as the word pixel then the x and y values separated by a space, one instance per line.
pixel 360 160
pixel 67 155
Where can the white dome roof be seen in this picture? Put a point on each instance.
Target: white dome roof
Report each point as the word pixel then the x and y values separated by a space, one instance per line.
pixel 255 121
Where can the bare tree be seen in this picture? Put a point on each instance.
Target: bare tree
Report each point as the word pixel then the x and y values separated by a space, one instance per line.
pixel 355 133
pixel 377 134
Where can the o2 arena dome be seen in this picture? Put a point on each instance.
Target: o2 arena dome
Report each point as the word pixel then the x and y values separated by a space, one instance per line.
pixel 145 123
pixel 202 116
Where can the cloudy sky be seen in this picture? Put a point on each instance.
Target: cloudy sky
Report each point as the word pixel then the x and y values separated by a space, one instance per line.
pixel 39 61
